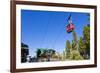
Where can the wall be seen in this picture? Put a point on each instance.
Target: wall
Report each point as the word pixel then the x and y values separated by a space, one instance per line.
pixel 5 35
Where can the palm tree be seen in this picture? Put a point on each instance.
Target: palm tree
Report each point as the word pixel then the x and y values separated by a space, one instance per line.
pixel 45 53
pixel 38 53
pixel 50 52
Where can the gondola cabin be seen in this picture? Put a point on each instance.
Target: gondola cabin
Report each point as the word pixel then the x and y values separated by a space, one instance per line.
pixel 70 27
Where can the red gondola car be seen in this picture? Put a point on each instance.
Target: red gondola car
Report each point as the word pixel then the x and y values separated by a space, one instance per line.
pixel 70 27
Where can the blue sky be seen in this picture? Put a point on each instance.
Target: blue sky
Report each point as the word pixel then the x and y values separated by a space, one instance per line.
pixel 47 29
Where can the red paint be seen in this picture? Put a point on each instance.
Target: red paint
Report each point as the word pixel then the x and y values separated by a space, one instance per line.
pixel 70 27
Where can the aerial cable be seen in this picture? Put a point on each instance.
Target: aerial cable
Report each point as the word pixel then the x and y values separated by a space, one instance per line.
pixel 70 28
pixel 45 34
pixel 59 34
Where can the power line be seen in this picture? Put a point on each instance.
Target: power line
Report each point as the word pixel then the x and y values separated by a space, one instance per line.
pixel 45 34
pixel 58 35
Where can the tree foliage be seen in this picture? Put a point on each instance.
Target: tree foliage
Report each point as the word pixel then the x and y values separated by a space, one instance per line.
pixel 72 51
pixel 45 53
pixel 82 46
pixel 68 45
pixel 75 39
pixel 68 49
pixel 84 43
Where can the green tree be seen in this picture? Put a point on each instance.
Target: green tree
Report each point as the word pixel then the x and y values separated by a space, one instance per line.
pixel 75 37
pixel 68 45
pixel 86 39
pixel 74 45
pixel 38 53
pixel 82 47
pixel 50 53
pixel 75 54
pixel 75 41
pixel 72 50
pixel 86 36
pixel 45 53
pixel 84 43
pixel 68 49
